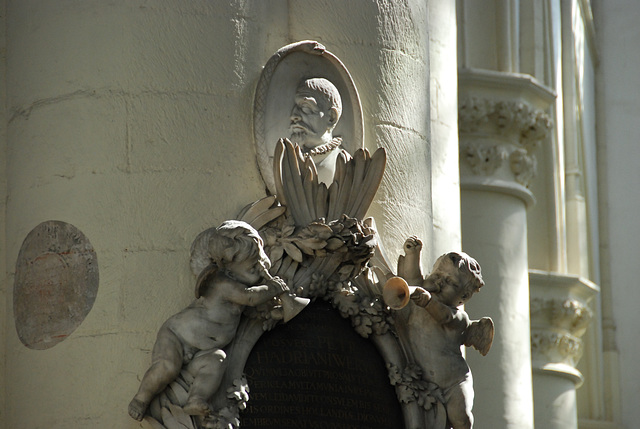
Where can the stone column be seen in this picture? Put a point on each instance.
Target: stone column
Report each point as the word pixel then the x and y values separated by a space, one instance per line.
pixel 502 121
pixel 560 314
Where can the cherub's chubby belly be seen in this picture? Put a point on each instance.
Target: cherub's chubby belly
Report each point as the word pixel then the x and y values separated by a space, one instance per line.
pixel 442 368
pixel 202 333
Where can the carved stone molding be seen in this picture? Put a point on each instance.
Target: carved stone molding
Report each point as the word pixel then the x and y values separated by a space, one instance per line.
pixel 560 315
pixel 502 121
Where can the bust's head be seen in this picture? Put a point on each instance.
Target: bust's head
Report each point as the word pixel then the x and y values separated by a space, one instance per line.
pixel 315 113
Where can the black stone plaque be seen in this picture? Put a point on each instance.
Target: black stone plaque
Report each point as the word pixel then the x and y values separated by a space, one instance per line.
pixel 317 372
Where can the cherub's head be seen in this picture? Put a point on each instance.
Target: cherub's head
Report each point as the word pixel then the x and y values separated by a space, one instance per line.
pixel 236 248
pixel 454 279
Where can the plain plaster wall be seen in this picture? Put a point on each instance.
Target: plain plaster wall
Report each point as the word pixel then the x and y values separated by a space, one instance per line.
pixel 619 132
pixel 443 94
pixel 132 121
pixel 3 194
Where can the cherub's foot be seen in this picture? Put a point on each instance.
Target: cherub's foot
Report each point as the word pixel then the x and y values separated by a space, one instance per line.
pixel 197 407
pixel 412 245
pixel 137 409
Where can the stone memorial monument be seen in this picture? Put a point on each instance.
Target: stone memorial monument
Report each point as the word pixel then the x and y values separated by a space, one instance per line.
pixel 291 298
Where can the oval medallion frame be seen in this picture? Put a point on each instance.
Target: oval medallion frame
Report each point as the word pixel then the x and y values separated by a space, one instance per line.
pixel 275 94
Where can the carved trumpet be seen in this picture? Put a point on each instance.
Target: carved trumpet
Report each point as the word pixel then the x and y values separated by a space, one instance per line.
pixel 292 305
pixel 397 293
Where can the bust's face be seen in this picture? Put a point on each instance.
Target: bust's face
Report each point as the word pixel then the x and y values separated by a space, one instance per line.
pixel 312 119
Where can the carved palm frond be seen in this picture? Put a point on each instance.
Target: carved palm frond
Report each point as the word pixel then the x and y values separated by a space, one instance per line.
pixel 261 212
pixel 355 183
pixel 165 411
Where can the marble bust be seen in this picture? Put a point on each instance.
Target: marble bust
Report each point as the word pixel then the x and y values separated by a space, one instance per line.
pixel 316 111
pixel 306 84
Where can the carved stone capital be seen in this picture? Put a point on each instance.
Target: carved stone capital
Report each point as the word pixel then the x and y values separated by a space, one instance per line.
pixel 502 121
pixel 560 314
pixel 515 120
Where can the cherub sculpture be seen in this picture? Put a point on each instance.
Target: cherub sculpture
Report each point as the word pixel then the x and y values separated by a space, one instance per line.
pixel 439 327
pixel 233 274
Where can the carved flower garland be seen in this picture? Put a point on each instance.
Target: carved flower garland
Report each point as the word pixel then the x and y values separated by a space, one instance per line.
pixel 411 386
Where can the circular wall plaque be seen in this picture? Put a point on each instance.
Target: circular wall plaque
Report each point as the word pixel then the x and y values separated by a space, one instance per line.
pixel 56 284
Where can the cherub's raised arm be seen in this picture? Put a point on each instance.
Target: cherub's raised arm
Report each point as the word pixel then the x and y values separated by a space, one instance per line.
pixel 409 264
pixel 479 335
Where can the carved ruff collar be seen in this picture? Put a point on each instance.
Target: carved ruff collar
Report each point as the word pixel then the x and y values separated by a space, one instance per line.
pixel 324 149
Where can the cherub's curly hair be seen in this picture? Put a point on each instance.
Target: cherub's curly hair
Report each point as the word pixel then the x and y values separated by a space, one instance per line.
pixel 233 241
pixel 468 267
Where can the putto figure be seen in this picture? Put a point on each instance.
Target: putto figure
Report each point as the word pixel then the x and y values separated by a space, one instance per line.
pixel 439 327
pixel 233 274
pixel 315 114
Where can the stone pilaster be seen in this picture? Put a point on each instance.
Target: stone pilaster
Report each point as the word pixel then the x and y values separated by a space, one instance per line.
pixel 560 315
pixel 502 121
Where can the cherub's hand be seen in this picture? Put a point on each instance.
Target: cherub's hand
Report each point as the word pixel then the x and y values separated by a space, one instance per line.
pixel 412 245
pixel 421 297
pixel 277 284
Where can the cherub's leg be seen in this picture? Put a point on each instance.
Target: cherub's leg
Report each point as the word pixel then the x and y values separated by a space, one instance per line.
pixel 459 404
pixel 166 362
pixel 207 367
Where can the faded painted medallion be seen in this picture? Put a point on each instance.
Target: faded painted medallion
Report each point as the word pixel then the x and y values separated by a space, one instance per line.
pixel 56 284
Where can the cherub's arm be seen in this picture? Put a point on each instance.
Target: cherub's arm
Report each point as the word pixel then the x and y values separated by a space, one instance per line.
pixel 409 264
pixel 256 295
pixel 441 313
pixel 479 335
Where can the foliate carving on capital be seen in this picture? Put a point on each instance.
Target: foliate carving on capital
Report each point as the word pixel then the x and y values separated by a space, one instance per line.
pixel 557 327
pixel 523 166
pixel 484 159
pixel 569 314
pixel 553 344
pixel 528 125
pixel 518 129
